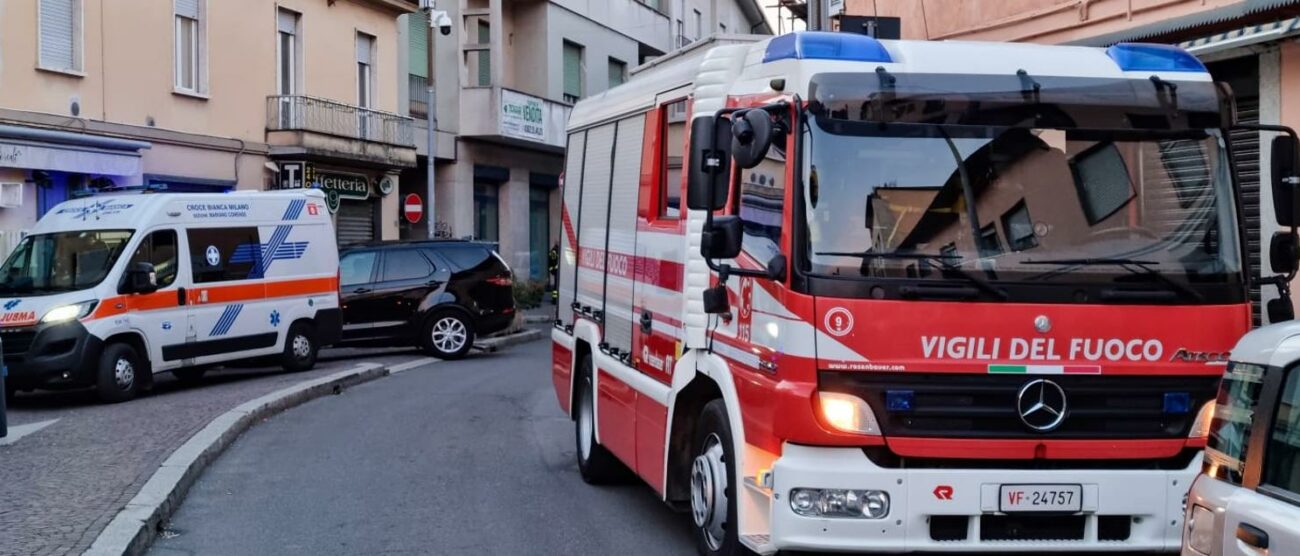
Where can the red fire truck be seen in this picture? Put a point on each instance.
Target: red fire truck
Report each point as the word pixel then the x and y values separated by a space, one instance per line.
pixel 827 292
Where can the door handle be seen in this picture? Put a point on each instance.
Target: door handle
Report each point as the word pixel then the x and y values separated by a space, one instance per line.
pixel 1252 536
pixel 362 290
pixel 181 298
pixel 647 322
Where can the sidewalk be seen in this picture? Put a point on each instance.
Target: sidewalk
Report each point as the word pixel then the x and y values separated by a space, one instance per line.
pixel 60 486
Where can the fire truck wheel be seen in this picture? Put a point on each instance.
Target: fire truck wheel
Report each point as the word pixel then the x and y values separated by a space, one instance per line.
pixel 120 373
pixel 596 465
pixel 713 506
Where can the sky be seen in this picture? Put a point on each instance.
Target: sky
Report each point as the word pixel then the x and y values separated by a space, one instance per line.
pixel 771 16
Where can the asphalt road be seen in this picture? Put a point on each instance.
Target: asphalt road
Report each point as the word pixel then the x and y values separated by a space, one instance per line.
pixel 468 457
pixel 61 484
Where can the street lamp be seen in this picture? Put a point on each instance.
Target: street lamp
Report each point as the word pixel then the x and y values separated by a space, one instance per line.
pixel 439 19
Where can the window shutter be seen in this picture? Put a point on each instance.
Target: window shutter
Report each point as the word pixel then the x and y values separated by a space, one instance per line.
pixel 287 22
pixel 188 8
pixel 364 45
pixel 418 31
pixel 58 24
pixel 572 70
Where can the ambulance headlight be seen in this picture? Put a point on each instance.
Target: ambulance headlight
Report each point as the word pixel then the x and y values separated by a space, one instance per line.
pixel 1200 530
pixel 847 413
pixel 1201 427
pixel 835 502
pixel 64 313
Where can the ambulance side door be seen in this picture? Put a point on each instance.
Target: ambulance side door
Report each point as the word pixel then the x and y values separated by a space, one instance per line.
pixel 160 315
pixel 226 264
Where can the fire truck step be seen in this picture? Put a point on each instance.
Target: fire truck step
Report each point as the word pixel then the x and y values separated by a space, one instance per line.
pixel 761 544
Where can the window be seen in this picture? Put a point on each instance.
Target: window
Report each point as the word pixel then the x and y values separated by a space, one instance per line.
pixel 486 224
pixel 484 56
pixel 365 72
pixel 225 254
pixel 357 268
pixel 670 201
pixel 189 45
pixel 572 72
pixel 1234 414
pixel 1102 180
pixel 699 25
pixel 1282 458
pixel 405 264
pixel 762 204
pixel 159 249
pixel 62 261
pixel 989 243
pixel 60 35
pixel 722 28
pixel 466 257
pixel 287 55
pixel 1020 228
pixel 617 72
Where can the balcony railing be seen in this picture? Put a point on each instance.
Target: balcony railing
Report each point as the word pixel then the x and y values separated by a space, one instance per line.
pixel 419 91
pixel 304 113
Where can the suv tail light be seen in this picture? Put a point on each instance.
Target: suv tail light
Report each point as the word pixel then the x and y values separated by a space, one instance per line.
pixel 501 281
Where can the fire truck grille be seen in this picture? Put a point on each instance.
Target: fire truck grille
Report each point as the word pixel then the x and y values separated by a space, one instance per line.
pixel 984 406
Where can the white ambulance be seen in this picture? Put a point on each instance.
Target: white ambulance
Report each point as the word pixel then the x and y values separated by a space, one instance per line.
pixel 109 290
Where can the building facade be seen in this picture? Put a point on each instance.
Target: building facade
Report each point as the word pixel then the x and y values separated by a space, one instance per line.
pixel 1249 44
pixel 203 95
pixel 507 74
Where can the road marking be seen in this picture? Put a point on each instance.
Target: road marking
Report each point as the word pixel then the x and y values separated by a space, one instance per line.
pixel 403 367
pixel 17 432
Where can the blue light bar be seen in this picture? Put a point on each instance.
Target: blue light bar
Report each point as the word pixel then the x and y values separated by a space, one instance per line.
pixel 821 45
pixel 1179 403
pixel 899 400
pixel 1132 56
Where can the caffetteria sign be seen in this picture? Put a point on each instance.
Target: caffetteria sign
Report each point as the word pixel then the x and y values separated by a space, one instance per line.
pixel 336 185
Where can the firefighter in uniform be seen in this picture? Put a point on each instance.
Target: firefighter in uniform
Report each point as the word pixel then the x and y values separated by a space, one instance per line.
pixel 553 268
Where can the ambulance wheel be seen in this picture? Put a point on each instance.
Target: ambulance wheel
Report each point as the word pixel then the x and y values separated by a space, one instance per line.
pixel 120 373
pixel 300 348
pixel 448 335
pixel 713 496
pixel 190 375
pixel 596 465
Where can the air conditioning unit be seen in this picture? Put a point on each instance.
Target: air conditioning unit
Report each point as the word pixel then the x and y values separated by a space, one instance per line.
pixel 11 194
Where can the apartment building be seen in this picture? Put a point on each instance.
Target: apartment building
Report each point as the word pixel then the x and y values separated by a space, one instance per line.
pixel 507 76
pixel 203 95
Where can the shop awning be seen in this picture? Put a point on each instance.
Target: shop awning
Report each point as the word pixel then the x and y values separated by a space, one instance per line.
pixel 63 151
pixel 1216 20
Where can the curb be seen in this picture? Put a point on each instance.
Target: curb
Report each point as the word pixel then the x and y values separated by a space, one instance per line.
pixel 538 319
pixel 493 344
pixel 135 526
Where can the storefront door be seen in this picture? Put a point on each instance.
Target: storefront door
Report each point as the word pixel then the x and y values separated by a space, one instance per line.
pixel 539 230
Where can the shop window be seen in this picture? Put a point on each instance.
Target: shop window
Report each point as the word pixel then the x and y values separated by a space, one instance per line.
pixel 225 254
pixel 486 215
pixel 1020 228
pixel 159 249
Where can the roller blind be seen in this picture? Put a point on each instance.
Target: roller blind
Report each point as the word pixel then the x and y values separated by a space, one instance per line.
pixel 418 43
pixel 188 8
pixel 572 70
pixel 58 34
pixel 287 22
pixel 365 45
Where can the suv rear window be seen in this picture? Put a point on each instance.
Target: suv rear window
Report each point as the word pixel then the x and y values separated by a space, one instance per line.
pixel 465 257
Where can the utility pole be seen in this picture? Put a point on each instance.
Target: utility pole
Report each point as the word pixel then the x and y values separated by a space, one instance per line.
pixel 430 170
pixel 815 10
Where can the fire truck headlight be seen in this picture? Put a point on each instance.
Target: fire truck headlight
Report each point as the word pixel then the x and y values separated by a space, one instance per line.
pixel 834 502
pixel 847 413
pixel 1201 427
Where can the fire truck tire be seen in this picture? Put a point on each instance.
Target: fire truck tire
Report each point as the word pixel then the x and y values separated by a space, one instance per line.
pixel 596 464
pixel 713 496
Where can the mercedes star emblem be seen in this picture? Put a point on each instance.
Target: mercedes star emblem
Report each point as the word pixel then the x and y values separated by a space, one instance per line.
pixel 1042 324
pixel 1041 405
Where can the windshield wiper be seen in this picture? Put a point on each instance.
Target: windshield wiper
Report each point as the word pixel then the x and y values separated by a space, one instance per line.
pixel 1135 266
pixel 946 264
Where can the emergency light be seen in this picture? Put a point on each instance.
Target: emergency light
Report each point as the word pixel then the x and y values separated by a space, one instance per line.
pixel 821 45
pixel 1132 56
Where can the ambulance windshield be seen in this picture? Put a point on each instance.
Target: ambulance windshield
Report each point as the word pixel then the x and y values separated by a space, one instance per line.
pixel 973 198
pixel 61 261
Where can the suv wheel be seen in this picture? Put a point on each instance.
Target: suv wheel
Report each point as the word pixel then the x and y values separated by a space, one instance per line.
pixel 448 335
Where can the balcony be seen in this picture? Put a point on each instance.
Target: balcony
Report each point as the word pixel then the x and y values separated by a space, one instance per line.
pixel 514 118
pixel 311 126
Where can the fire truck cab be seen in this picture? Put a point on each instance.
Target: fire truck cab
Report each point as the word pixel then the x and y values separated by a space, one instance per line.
pixel 828 292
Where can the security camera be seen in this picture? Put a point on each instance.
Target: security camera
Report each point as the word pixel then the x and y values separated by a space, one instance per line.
pixel 441 20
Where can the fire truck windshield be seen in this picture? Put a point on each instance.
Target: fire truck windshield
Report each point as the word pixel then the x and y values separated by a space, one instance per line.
pixel 1008 205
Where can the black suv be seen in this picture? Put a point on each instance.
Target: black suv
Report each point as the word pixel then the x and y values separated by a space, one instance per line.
pixel 434 294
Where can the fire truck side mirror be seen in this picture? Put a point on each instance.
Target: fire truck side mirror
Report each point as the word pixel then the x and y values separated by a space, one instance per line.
pixel 706 186
pixel 751 137
pixel 1285 166
pixel 1284 252
pixel 722 238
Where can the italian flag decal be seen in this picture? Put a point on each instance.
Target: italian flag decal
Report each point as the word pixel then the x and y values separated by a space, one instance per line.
pixel 1044 369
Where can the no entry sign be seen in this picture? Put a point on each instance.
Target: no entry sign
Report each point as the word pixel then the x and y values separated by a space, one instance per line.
pixel 413 208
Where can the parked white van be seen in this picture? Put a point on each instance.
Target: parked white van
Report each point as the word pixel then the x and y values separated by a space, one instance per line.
pixel 1247 502
pixel 110 289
